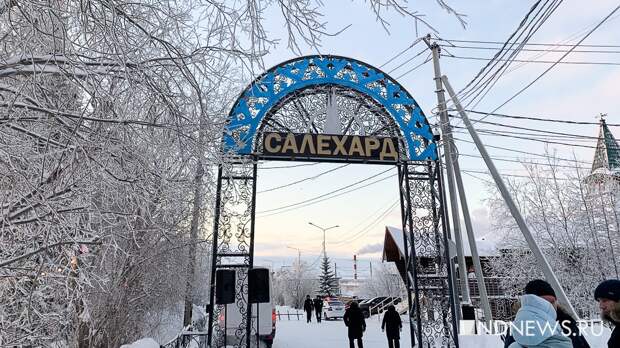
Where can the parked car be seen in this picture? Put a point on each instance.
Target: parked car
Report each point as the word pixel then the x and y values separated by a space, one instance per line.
pixel 377 305
pixel 333 309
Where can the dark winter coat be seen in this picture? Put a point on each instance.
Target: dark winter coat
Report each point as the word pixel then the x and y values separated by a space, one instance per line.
pixel 570 328
pixel 354 320
pixel 568 325
pixel 308 305
pixel 392 324
pixel 318 304
pixel 614 340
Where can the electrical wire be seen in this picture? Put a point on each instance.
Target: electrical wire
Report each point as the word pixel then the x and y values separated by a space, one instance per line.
pixel 304 179
pixel 401 53
pixel 368 227
pixel 525 43
pixel 544 132
pixel 495 133
pixel 559 60
pixel 291 166
pixel 542 119
pixel 408 60
pixel 532 49
pixel 428 59
pixel 332 192
pixel 526 162
pixel 522 152
pixel 512 40
pixel 535 61
pixel 480 93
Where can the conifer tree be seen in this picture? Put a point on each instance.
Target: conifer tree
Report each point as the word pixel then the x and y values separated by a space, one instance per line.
pixel 327 278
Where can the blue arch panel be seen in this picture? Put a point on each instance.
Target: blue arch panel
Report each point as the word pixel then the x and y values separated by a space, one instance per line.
pixel 275 84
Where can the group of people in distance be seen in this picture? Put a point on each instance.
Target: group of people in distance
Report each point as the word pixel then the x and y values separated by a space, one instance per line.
pixel 316 305
pixel 541 322
pixel 356 324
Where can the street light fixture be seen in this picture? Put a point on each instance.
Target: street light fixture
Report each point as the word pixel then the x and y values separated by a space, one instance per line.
pixel 298 254
pixel 323 229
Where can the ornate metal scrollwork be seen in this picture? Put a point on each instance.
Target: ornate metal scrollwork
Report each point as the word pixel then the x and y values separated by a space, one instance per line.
pixel 432 314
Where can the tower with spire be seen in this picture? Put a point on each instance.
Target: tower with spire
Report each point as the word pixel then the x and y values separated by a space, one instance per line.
pixel 605 173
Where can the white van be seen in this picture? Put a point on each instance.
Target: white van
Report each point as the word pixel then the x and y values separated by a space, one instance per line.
pixel 266 321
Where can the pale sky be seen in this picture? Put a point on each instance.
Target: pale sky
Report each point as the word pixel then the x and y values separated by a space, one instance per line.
pixel 571 92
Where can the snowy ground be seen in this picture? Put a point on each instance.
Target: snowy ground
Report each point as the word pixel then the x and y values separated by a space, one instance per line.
pixel 328 334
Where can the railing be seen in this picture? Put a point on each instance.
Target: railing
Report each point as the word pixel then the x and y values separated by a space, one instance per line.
pixel 192 335
pixel 381 306
pixel 288 314
pixel 195 339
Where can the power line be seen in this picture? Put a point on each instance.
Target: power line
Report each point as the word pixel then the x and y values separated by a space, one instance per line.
pixel 535 61
pixel 488 85
pixel 525 162
pixel 533 49
pixel 535 136
pixel 545 132
pixel 331 192
pixel 401 52
pixel 328 198
pixel 542 119
pixel 523 152
pixel 525 43
pixel 428 59
pixel 368 227
pixel 559 60
pixel 407 61
pixel 495 133
pixel 304 179
pixel 291 166
pixel 513 175
pixel 480 82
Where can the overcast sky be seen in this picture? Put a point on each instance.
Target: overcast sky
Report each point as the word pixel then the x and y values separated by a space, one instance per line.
pixel 571 92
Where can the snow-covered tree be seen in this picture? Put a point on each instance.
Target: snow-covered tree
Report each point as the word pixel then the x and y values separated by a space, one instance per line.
pixel 111 115
pixel 292 284
pixel 327 278
pixel 578 232
pixel 385 281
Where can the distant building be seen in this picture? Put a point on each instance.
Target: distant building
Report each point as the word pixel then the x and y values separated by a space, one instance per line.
pixel 350 287
pixel 501 302
pixel 605 173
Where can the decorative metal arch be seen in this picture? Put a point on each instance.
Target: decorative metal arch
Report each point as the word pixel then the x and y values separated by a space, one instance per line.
pixel 289 77
pixel 363 95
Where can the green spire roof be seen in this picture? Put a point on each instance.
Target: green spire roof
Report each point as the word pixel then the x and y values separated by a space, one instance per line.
pixel 607 154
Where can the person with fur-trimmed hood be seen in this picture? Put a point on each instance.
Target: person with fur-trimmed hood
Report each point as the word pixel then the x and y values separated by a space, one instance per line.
pixel 607 294
pixel 537 320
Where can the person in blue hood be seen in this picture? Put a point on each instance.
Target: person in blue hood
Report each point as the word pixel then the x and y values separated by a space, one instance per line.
pixel 541 323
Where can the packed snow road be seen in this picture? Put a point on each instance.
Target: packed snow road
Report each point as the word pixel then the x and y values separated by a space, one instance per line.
pixel 329 334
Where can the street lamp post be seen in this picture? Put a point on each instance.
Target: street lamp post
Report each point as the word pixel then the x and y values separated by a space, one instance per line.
pixel 323 229
pixel 298 254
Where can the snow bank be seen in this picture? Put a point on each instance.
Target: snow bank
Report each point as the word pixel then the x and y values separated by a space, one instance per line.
pixel 142 343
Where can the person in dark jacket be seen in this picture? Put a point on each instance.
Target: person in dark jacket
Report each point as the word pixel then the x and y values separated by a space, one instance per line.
pixel 318 308
pixel 308 306
pixel 354 320
pixel 567 323
pixel 392 325
pixel 607 294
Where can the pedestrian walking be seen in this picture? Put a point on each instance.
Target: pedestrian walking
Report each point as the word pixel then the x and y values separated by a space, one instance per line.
pixel 392 325
pixel 308 305
pixel 607 294
pixel 536 320
pixel 354 320
pixel 318 308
